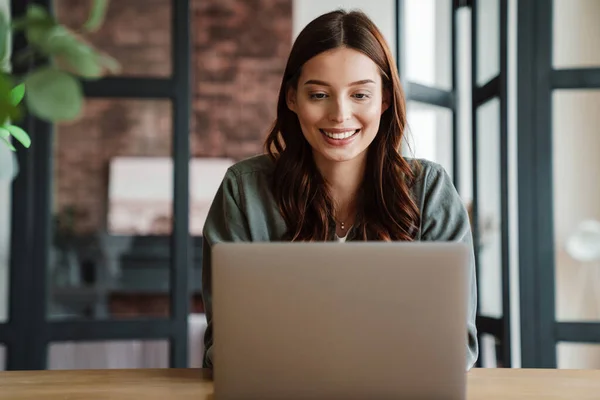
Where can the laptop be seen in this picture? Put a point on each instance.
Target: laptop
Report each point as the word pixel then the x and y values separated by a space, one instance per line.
pixel 365 320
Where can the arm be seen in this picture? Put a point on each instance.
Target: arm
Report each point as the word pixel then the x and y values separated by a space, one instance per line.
pixel 225 222
pixel 445 218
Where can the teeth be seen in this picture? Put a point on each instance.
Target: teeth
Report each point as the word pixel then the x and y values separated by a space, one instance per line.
pixel 338 136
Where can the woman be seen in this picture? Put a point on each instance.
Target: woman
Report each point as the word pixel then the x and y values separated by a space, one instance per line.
pixel 333 170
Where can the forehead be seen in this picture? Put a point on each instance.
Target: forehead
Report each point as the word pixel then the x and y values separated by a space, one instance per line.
pixel 340 67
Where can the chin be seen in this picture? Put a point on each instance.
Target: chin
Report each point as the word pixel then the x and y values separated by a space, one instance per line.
pixel 340 157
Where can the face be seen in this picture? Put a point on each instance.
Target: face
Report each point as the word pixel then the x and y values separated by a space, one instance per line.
pixel 339 101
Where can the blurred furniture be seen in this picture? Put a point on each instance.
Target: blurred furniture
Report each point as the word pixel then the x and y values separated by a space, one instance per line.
pixel 196 384
pixel 128 277
pixel 123 354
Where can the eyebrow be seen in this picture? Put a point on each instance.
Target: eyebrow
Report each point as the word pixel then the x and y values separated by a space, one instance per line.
pixel 317 82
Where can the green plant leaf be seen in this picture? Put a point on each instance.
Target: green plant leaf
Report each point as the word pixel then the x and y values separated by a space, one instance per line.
pixel 17 93
pixel 110 63
pixel 19 24
pixel 72 54
pixel 97 15
pixel 36 12
pixel 58 40
pixel 53 95
pixel 35 15
pixel 38 34
pixel 4 35
pixel 69 50
pixel 82 60
pixel 19 134
pixel 8 110
pixel 39 25
pixel 5 135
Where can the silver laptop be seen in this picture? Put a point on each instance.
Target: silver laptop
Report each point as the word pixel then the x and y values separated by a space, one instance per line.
pixel 367 320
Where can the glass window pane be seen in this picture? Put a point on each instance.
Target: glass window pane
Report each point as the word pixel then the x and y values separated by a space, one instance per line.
pixel 137 33
pixel 464 105
pixel 490 351
pixel 8 168
pixel 305 11
pixel 2 357
pixel 577 355
pixel 429 133
pixel 428 42
pixel 124 354
pixel 489 208
pixel 196 329
pixel 112 211
pixel 576 204
pixel 576 32
pixel 488 40
pixel 206 175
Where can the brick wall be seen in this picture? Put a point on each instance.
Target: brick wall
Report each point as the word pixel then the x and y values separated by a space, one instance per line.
pixel 239 53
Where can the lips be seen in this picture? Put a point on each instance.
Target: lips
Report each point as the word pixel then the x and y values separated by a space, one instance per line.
pixel 339 134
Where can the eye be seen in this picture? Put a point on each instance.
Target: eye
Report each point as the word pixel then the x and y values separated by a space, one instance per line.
pixel 318 96
pixel 361 96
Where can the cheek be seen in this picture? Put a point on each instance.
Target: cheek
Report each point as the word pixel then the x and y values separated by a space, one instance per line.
pixel 310 113
pixel 370 115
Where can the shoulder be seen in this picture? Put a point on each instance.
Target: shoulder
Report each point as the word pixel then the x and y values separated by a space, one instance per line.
pixel 248 182
pixel 444 214
pixel 428 175
pixel 245 202
pixel 248 176
pixel 256 165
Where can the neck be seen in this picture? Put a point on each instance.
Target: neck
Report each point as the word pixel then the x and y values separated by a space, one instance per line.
pixel 343 181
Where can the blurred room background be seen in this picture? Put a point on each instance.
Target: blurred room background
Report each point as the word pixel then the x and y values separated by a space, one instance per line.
pixel 100 229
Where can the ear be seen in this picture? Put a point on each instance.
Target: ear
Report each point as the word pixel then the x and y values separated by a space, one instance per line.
pixel 386 100
pixel 290 98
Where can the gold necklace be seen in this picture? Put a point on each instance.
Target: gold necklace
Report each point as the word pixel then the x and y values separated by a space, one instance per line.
pixel 342 224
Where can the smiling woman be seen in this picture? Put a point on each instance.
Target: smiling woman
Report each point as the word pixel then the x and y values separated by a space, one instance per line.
pixel 340 96
pixel 333 168
pixel 339 116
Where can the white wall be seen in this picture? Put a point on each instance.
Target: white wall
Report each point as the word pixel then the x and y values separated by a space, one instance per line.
pixel 428 61
pixel 380 11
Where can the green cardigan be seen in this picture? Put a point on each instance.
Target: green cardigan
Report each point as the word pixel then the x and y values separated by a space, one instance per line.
pixel 245 210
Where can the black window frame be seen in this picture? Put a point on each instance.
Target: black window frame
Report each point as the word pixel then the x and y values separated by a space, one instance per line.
pixel 537 81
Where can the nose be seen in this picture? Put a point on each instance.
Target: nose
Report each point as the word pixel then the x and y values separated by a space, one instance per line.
pixel 340 111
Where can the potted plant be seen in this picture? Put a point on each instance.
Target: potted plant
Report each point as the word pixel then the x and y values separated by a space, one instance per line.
pixel 51 90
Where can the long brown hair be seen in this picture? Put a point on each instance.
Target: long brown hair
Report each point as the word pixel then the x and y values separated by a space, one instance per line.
pixel 385 209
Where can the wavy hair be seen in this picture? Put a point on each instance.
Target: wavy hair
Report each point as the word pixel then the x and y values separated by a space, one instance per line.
pixel 386 210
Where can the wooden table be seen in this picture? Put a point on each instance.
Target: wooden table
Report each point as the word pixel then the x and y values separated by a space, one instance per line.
pixel 195 384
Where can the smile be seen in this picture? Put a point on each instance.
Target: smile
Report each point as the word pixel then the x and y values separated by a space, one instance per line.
pixel 339 135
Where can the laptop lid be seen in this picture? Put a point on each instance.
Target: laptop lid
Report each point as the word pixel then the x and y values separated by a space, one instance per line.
pixel 340 321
